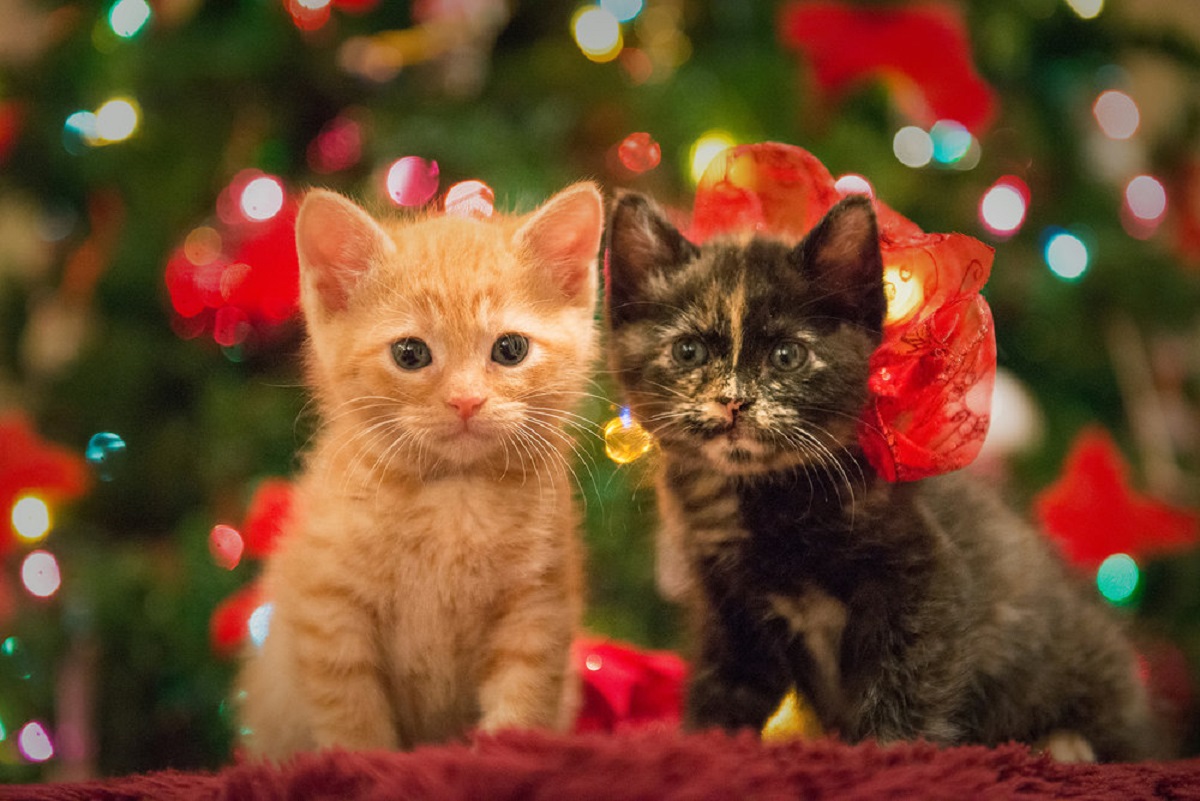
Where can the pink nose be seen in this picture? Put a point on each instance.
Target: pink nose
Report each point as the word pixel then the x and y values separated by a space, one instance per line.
pixel 466 406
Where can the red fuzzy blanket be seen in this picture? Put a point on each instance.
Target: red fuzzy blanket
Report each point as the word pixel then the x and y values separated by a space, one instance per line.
pixel 649 765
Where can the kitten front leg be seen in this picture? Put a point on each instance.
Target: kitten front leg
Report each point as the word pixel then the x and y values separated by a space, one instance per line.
pixel 526 668
pixel 339 678
pixel 737 680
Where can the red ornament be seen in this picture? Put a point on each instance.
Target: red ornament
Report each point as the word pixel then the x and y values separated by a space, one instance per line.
pixel 1093 513
pixel 229 625
pixel 624 686
pixel 932 376
pixel 10 127
pixel 30 464
pixel 922 52
pixel 265 519
pixel 226 546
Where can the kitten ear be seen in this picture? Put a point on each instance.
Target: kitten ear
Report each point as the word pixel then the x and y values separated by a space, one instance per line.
pixel 640 241
pixel 563 237
pixel 337 242
pixel 841 257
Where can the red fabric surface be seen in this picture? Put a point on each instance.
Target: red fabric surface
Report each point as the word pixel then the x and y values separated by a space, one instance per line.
pixel 653 764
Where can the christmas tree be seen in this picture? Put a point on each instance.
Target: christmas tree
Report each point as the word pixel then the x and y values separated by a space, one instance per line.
pixel 151 398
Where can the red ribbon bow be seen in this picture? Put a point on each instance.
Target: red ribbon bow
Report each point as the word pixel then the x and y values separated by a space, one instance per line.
pixel 932 376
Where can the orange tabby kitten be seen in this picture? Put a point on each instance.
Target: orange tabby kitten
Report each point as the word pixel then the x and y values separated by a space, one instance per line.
pixel 431 578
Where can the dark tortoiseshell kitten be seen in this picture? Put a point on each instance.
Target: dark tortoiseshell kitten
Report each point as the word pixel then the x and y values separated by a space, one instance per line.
pixel 901 611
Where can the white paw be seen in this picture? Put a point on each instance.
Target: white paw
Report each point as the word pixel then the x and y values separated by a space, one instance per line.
pixel 1067 746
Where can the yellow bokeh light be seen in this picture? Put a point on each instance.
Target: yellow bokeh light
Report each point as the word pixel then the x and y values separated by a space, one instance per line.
pixel 598 33
pixel 116 120
pixel 710 145
pixel 904 293
pixel 31 518
pixel 625 441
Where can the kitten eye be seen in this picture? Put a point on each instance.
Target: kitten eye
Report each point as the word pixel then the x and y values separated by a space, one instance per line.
pixel 689 352
pixel 510 349
pixel 788 356
pixel 411 353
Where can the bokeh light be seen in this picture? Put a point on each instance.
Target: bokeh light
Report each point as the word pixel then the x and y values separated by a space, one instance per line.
pixel 31 518
pixel 1117 114
pixel 639 153
pixel 262 198
pixel 597 33
pixel 128 17
pixel 913 147
pixel 623 10
pixel 951 141
pixel 1146 198
pixel 1117 578
pixel 80 129
pixel 116 120
pixel 470 199
pixel 853 184
pixel 105 452
pixel 40 574
pixel 904 293
pixel 1066 254
pixel 707 147
pixel 34 742
pixel 1086 9
pixel 1003 207
pixel 226 546
pixel 412 181
pixel 259 624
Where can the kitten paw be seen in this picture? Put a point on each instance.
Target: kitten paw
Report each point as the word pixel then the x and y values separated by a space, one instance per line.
pixel 1066 746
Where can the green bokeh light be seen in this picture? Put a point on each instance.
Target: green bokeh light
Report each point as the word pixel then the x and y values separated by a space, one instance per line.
pixel 1117 578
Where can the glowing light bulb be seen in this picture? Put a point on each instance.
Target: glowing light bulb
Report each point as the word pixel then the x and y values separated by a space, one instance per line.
pixel 116 120
pixel 1117 114
pixel 31 518
pixel 903 291
pixel 34 742
pixel 1117 578
pixel 128 17
pixel 623 10
pixel 1146 198
pixel 710 145
pixel 1066 255
pixel 80 127
pixel 412 181
pixel 40 574
pixel 912 147
pixel 597 33
pixel 1086 9
pixel 1003 206
pixel 624 440
pixel 852 184
pixel 639 152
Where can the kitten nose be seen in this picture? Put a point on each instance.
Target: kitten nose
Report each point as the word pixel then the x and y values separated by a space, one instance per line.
pixel 734 405
pixel 466 406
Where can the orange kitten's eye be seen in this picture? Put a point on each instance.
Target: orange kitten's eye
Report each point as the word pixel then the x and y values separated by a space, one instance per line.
pixel 411 353
pixel 510 349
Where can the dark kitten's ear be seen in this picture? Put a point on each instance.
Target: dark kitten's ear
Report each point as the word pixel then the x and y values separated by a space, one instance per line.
pixel 841 257
pixel 563 238
pixel 337 242
pixel 640 241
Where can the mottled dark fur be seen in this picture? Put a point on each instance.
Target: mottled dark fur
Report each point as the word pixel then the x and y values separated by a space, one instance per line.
pixel 922 609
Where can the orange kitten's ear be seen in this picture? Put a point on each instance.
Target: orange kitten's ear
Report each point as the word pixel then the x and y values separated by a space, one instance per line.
pixel 563 236
pixel 337 242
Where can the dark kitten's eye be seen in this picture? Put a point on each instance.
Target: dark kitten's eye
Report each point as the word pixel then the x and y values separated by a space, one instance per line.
pixel 411 353
pixel 510 349
pixel 788 356
pixel 689 352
